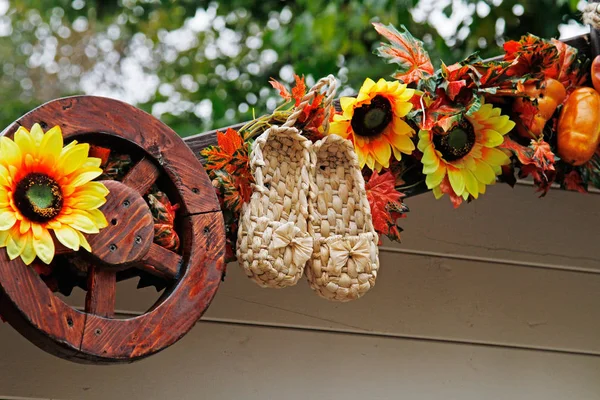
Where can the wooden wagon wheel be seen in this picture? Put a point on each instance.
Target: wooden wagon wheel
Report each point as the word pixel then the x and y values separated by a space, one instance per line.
pixel 94 335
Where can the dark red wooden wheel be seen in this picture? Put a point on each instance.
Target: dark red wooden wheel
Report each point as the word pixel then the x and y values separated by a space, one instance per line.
pixel 193 274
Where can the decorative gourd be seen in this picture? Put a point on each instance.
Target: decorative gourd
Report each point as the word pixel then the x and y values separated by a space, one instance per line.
pixel 191 275
pixel 595 72
pixel 579 126
pixel 545 98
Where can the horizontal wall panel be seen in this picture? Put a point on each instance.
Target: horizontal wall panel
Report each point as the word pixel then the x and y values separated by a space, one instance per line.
pixel 509 224
pixel 426 297
pixel 224 361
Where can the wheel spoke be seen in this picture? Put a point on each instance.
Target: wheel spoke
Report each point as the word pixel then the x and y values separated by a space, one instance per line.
pixel 142 176
pixel 161 262
pixel 102 287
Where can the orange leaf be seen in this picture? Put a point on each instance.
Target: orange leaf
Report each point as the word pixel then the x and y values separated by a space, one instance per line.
pixel 225 155
pixel 229 141
pixel 283 92
pixel 299 90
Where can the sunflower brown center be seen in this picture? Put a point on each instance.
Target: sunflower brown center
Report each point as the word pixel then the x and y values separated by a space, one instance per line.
pixel 456 143
pixel 38 197
pixel 371 119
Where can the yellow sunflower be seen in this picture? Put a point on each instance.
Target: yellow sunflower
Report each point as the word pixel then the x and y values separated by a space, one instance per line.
pixel 466 157
pixel 374 122
pixel 44 187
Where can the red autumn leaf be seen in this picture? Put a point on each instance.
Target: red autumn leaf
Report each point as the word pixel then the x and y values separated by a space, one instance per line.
pixel 100 152
pixel 406 51
pixel 572 72
pixel 484 76
pixel 446 188
pixel 382 197
pixel 299 90
pixel 453 88
pixel 573 181
pixel 442 112
pixel 536 160
pixel 283 92
pixel 543 155
pixel 532 55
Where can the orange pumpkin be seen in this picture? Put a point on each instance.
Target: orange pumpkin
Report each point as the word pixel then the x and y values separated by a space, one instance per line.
pixel 579 126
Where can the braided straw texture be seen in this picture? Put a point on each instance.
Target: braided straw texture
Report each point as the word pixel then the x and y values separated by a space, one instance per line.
pixel 591 15
pixel 280 162
pixel 345 259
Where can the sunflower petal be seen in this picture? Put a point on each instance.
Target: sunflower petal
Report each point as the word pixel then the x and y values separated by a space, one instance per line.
pixel 37 230
pixel 15 244
pixel 424 140
pixel 28 253
pixel 25 141
pixel 484 173
pixel 11 153
pixel 81 221
pixel 494 156
pixel 456 180
pixel 87 202
pixel 86 177
pixel 51 145
pixel 382 152
pixel 68 237
pixel 471 183
pixel 73 158
pixel 24 226
pixel 434 179
pixel 83 242
pixel 431 167
pixel 7 220
pixel 491 138
pixel 44 246
pixel 37 134
pixel 340 128
pixel 5 179
pixel 401 108
pixel 402 142
pixel 98 217
pixel 4 235
pixel 347 104
pixel 93 189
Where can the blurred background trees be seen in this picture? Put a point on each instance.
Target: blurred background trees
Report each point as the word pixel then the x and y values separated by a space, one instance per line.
pixel 199 65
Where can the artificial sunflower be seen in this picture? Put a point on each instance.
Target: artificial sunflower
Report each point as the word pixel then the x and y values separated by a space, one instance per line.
pixel 374 121
pixel 44 187
pixel 466 158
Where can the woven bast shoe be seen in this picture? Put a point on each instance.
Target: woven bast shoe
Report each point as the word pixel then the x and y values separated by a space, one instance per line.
pixel 345 259
pixel 273 241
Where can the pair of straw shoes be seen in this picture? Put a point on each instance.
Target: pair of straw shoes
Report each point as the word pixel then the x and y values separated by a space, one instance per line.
pixel 309 214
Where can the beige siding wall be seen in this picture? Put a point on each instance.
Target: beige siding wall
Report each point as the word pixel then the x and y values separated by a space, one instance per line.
pixel 497 300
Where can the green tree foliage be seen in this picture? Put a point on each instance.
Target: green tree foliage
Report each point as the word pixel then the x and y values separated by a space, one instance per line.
pixel 199 65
